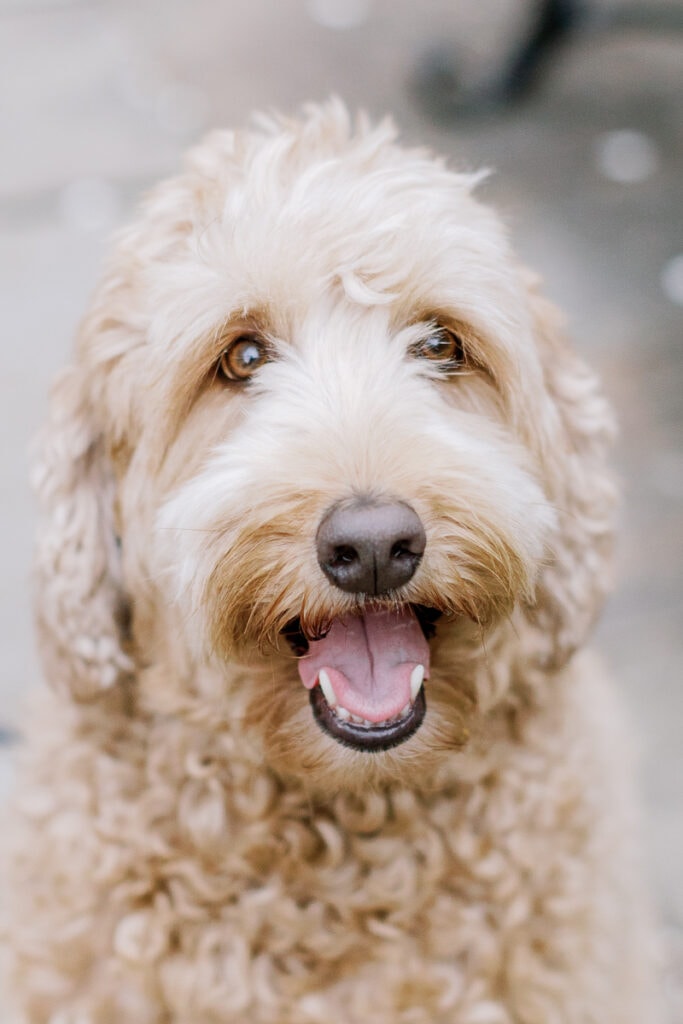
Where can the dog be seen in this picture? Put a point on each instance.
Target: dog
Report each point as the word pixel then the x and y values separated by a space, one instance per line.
pixel 325 525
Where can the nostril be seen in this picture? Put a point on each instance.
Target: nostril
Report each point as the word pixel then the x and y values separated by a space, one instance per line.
pixel 402 549
pixel 344 555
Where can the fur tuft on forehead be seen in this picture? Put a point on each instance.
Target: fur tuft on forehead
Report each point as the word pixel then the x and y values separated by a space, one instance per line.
pixel 262 227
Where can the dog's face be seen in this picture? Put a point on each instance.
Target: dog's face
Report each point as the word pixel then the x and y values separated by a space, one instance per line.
pixel 339 448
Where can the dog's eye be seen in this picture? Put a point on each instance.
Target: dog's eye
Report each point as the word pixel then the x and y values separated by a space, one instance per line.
pixel 242 358
pixel 441 346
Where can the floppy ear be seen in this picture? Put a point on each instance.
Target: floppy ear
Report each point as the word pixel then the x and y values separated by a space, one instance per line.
pixel 580 431
pixel 81 610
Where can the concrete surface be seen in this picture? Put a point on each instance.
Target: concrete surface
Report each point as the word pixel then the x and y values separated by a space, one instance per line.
pixel 100 99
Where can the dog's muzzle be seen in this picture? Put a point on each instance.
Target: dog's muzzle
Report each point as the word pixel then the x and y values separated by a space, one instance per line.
pixel 365 676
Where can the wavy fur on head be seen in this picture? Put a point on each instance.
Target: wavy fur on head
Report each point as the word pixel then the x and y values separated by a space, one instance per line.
pixel 190 847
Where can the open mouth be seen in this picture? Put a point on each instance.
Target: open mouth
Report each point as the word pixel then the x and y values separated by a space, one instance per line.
pixel 365 676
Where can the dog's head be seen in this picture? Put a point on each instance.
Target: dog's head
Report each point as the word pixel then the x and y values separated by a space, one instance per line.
pixel 323 445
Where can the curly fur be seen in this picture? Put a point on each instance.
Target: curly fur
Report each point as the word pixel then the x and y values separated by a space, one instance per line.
pixel 188 846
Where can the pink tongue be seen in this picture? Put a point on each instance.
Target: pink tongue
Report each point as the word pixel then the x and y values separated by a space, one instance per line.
pixel 369 659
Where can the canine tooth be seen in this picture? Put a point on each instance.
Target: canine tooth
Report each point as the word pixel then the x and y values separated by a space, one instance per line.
pixel 327 688
pixel 405 711
pixel 416 678
pixel 342 713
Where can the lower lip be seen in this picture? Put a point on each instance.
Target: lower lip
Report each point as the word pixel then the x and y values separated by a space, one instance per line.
pixel 363 738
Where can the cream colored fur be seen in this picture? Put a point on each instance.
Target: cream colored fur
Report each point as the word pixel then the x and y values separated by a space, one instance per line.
pixel 188 846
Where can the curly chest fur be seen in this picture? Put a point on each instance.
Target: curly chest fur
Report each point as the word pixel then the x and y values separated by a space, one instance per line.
pixel 231 895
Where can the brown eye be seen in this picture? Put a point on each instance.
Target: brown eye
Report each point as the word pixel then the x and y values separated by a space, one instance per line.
pixel 441 346
pixel 243 357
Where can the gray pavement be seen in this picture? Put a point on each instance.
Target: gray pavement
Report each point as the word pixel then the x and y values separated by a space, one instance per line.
pixel 99 99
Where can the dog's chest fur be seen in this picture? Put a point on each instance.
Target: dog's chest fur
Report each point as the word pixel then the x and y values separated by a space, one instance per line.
pixel 403 900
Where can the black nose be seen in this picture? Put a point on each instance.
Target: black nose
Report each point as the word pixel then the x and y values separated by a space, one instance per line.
pixel 369 546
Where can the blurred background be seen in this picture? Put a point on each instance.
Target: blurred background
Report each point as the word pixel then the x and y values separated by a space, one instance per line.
pixel 577 109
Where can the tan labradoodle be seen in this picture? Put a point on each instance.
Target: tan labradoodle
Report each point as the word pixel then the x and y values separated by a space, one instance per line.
pixel 325 524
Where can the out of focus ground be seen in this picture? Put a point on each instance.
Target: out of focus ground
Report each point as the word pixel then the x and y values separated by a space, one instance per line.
pixel 100 98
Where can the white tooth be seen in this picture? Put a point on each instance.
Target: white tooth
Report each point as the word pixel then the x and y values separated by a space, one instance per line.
pixel 405 711
pixel 342 713
pixel 357 719
pixel 370 724
pixel 416 678
pixel 327 688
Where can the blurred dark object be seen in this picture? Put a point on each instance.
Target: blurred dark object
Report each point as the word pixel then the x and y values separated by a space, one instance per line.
pixel 8 737
pixel 443 92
